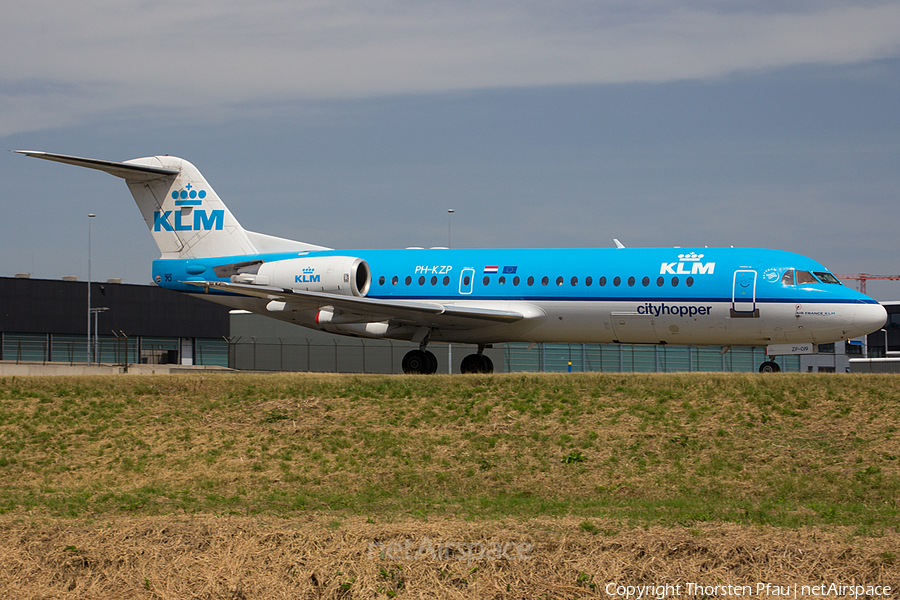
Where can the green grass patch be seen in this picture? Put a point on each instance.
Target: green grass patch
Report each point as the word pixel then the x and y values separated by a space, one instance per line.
pixel 785 450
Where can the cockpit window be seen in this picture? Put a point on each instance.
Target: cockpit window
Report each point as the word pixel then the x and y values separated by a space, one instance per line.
pixel 827 277
pixel 805 277
pixel 788 277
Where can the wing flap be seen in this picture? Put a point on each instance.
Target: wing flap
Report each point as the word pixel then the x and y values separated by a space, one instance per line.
pixel 429 314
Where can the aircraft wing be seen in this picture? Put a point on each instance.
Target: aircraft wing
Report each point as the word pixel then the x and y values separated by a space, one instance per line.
pixel 424 314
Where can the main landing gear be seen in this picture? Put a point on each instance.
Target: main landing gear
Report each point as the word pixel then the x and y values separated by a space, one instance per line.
pixel 477 363
pixel 770 366
pixel 423 362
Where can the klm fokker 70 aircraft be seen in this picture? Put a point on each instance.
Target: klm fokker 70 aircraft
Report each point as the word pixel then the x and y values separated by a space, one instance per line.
pixel 685 296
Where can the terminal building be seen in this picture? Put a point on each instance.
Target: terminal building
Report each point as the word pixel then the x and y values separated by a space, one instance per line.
pixel 46 321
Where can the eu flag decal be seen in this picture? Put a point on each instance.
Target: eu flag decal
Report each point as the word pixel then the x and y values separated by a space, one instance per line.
pixel 509 270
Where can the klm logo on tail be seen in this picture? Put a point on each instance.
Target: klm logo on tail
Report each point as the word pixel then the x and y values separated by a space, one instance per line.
pixel 189 219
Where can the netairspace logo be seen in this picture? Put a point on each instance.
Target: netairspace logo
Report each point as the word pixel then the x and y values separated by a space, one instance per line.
pixel 760 589
pixel 448 550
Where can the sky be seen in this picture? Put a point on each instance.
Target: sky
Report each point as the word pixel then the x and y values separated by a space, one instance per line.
pixel 359 124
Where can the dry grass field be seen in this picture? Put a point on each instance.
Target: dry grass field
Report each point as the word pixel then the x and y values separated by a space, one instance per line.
pixel 506 486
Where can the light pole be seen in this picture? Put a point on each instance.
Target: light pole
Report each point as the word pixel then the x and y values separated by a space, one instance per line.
pixel 450 212
pixel 89 354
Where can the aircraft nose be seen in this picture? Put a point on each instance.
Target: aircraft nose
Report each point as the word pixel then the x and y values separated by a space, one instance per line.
pixel 869 317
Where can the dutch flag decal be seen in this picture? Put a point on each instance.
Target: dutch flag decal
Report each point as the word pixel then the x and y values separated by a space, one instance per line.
pixel 491 269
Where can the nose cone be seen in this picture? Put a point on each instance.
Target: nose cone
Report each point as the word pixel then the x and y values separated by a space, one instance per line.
pixel 868 318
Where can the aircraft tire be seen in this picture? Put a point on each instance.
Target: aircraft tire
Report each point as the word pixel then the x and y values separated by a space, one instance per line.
pixel 471 364
pixel 487 365
pixel 416 362
pixel 432 363
pixel 769 367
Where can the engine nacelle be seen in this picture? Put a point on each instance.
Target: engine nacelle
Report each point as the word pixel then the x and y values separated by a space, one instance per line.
pixel 345 275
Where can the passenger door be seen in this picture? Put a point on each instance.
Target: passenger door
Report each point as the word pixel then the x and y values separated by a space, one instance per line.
pixel 743 294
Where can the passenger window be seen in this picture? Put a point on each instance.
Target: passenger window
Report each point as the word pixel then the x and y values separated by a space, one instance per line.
pixel 408 280
pixel 645 281
pixel 788 277
pixel 630 281
pixel 602 281
pixel 486 280
pixel 805 277
pixel 674 282
pixel 574 281
pixel 617 281
pixel 689 281
pixel 545 280
pixel 530 281
pixel 394 280
pixel 660 281
pixel 422 280
pixel 466 281
pixel 516 280
pixel 381 280
pixel 502 280
pixel 446 280
pixel 559 281
pixel 588 281
pixel 434 280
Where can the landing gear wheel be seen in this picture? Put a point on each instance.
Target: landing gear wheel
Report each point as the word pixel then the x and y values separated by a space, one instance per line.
pixel 476 363
pixel 471 364
pixel 432 363
pixel 420 362
pixel 769 367
pixel 415 362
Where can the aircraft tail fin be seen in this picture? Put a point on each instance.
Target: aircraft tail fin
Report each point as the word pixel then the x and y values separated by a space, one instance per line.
pixel 185 215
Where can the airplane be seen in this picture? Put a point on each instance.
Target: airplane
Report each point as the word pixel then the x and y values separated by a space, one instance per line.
pixel 685 296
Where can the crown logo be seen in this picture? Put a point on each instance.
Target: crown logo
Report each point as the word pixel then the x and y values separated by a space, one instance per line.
pixel 690 257
pixel 187 192
pixel 308 270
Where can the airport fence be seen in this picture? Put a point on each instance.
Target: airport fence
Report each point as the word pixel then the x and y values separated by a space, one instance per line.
pixel 383 356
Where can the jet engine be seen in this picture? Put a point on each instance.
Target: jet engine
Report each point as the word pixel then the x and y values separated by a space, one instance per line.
pixel 344 275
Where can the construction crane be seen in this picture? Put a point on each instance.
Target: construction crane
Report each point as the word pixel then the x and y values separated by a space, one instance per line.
pixel 863 277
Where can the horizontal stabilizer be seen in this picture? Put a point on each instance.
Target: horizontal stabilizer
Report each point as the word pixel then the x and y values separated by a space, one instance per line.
pixel 129 171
